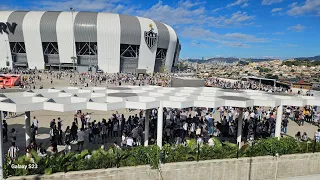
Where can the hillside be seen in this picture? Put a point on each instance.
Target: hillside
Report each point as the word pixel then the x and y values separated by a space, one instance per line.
pixel 315 58
pixel 227 60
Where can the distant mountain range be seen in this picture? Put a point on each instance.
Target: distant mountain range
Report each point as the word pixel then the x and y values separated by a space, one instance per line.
pixel 232 60
pixel 226 60
pixel 315 58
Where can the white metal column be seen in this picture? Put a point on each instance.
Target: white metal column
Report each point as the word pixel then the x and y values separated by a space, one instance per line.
pixel 160 125
pixel 1 147
pixel 239 132
pixel 146 127
pixel 28 129
pixel 279 121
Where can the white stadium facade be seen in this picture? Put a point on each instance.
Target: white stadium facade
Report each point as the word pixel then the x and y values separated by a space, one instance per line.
pixel 110 42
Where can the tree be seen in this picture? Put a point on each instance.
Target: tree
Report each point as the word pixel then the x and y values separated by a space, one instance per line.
pixel 270 76
pixel 181 66
pixel 266 70
pixel 163 69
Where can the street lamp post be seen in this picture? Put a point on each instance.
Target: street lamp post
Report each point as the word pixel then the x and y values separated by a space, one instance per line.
pixel 89 56
pixel 73 42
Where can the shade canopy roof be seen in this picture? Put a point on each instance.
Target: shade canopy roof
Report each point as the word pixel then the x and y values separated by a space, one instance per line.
pixel 65 99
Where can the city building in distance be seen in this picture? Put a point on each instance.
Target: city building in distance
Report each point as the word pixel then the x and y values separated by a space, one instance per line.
pixel 86 40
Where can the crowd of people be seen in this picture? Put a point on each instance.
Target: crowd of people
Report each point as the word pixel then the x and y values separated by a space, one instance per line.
pixel 29 81
pixel 179 124
pixel 250 84
pixel 31 78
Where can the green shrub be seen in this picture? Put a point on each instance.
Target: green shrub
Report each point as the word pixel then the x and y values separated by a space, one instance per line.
pixel 100 159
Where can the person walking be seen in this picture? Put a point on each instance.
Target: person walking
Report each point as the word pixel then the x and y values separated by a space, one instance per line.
pixel 68 135
pixel 13 136
pixel 35 125
pixel 285 125
pixel 74 130
pixel 5 131
pixel 59 123
pixel 59 136
pixel 80 139
pixel 13 151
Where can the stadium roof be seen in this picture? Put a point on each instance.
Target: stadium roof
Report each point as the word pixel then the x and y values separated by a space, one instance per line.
pixel 64 99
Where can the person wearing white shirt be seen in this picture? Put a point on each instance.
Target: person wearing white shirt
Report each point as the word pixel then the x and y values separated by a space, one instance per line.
pixel 129 142
pixel 199 141
pixel 221 109
pixel 87 117
pixel 207 117
pixel 236 114
pixel 246 114
pixel 252 115
pixel 123 140
pixel 210 141
pixel 67 147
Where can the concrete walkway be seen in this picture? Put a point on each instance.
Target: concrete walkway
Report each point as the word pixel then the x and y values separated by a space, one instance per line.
pixel 311 177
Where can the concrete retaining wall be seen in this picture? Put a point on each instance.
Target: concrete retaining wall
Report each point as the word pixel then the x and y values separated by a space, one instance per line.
pixel 257 168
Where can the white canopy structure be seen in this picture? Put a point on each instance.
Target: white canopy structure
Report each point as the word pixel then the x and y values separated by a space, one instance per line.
pixel 64 99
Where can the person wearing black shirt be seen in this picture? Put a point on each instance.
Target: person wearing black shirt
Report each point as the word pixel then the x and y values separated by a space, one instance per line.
pixel 189 119
pixel 5 131
pixel 59 136
pixel 285 125
pixel 74 131
pixel 110 128
pixel 52 123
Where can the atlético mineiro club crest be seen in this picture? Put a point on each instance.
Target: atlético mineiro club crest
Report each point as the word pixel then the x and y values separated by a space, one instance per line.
pixel 150 37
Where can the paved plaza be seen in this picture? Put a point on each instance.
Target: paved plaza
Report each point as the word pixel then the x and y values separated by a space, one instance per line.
pixel 44 117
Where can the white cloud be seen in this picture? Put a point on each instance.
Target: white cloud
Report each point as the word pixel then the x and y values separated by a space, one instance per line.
pixel 278 33
pixel 269 2
pixel 190 4
pixel 228 43
pixel 197 15
pixel 244 3
pixel 290 45
pixel 196 32
pixel 310 6
pixel 198 44
pixel 276 10
pixel 216 10
pixel 293 4
pixel 182 13
pixel 229 39
pixel 238 17
pixel 174 15
pixel 78 5
pixel 245 37
pixel 297 28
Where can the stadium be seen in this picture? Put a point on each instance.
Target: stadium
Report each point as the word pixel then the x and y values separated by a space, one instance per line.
pixel 86 40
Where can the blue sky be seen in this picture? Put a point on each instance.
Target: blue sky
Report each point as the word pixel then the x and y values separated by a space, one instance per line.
pixel 212 28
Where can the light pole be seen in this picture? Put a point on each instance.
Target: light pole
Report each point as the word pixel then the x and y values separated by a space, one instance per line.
pixel 89 56
pixel 73 42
